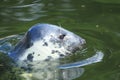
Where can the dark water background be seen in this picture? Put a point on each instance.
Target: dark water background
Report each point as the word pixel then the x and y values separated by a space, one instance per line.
pixel 98 21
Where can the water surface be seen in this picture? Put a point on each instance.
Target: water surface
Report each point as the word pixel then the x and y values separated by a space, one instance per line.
pixel 96 21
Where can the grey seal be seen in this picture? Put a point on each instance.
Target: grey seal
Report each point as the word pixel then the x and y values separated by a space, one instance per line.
pixel 39 51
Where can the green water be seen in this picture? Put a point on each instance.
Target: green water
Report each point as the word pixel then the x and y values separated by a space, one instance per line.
pixel 96 21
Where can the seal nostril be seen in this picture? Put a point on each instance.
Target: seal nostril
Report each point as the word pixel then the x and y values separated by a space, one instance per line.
pixel 82 41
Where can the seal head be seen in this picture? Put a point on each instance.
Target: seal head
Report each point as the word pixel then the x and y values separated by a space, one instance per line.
pixel 45 42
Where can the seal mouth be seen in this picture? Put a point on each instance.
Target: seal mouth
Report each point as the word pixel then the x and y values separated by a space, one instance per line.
pixel 75 50
pixel 77 47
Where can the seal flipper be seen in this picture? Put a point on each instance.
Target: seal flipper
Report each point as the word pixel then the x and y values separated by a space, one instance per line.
pixel 21 46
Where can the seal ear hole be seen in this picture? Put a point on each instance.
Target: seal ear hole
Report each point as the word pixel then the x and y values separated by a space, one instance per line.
pixel 62 36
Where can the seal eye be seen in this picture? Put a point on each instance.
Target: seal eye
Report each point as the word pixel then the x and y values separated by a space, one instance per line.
pixel 62 36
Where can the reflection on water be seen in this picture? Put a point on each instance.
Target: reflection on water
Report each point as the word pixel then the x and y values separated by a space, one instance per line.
pixel 72 73
pixel 96 20
pixel 32 10
pixel 24 12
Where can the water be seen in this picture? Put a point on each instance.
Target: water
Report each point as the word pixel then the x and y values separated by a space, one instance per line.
pixel 94 20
